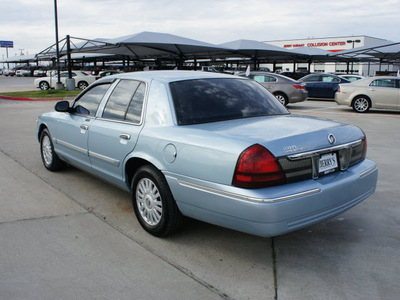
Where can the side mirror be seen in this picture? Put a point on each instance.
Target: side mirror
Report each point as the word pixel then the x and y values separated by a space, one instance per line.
pixel 62 106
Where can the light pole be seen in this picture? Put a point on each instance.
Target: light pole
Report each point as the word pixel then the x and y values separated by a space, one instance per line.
pixel 352 42
pixel 59 85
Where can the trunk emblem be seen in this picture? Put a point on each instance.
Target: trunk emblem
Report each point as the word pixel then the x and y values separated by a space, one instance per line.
pixel 331 139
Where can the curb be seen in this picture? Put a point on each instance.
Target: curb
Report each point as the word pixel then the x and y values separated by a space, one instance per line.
pixel 30 99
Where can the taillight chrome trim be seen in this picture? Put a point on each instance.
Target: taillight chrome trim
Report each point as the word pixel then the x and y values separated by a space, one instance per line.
pixel 343 149
pixel 311 154
pixel 246 198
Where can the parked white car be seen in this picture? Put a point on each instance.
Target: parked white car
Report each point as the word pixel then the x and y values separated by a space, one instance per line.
pixel 82 80
pixel 376 92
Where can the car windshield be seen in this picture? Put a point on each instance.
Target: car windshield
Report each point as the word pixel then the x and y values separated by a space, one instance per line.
pixel 211 100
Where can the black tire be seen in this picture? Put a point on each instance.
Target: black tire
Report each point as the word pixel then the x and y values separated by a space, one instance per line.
pixel 282 98
pixel 82 85
pixel 44 85
pixel 361 104
pixel 50 159
pixel 153 203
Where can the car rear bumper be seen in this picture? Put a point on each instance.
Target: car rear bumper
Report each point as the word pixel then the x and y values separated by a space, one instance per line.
pixel 275 210
pixel 298 96
pixel 342 99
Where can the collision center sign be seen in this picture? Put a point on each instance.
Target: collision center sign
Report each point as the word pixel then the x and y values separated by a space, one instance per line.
pixel 316 44
pixel 6 44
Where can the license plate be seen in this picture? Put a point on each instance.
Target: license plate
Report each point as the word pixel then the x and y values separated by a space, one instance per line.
pixel 327 163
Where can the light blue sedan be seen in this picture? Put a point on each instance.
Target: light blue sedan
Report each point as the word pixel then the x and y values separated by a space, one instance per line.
pixel 213 147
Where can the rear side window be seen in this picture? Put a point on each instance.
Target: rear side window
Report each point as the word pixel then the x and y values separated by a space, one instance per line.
pixel 89 102
pixel 126 101
pixel 384 83
pixel 312 78
pixel 262 78
pixel 211 100
pixel 330 79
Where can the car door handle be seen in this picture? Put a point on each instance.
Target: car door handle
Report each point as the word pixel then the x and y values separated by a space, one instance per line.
pixel 125 136
pixel 84 127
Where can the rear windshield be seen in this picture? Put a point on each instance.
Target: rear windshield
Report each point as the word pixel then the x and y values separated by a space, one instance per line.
pixel 211 100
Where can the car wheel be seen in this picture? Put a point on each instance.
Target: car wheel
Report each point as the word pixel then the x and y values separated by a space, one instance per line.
pixel 82 85
pixel 361 104
pixel 282 98
pixel 153 203
pixel 44 85
pixel 50 159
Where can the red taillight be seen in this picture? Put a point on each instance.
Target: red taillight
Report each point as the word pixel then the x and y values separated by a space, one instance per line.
pixel 338 90
pixel 364 153
pixel 257 168
pixel 299 86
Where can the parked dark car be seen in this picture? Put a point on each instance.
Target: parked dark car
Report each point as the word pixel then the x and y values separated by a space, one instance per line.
pixel 9 72
pixel 322 85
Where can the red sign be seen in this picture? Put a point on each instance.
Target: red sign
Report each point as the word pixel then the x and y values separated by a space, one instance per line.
pixel 317 44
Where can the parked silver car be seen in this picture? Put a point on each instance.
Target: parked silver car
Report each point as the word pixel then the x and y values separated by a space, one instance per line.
pixel 285 89
pixel 376 92
pixel 209 146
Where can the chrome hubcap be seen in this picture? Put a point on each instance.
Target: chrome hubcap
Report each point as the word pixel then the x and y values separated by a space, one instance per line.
pixel 281 99
pixel 47 150
pixel 148 200
pixel 361 104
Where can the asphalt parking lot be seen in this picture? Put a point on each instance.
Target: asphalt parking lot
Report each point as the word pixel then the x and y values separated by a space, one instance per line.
pixel 69 235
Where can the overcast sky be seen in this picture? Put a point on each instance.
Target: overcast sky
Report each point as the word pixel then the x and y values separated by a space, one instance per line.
pixel 30 23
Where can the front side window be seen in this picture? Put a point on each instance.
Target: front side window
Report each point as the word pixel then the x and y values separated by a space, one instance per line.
pixel 211 100
pixel 88 103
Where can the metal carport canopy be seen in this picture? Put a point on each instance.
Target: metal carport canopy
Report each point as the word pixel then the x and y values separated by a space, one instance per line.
pixel 258 50
pixel 20 59
pixel 383 51
pixel 146 45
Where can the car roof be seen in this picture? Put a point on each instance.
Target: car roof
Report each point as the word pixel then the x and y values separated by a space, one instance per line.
pixel 170 76
pixel 283 77
pixel 384 77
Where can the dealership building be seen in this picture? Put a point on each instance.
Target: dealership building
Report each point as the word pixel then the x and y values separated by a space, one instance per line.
pixel 333 44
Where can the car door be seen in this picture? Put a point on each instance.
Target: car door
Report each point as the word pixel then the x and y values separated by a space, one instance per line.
pixel 266 81
pixel 113 135
pixel 72 128
pixel 313 86
pixel 329 86
pixel 384 93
